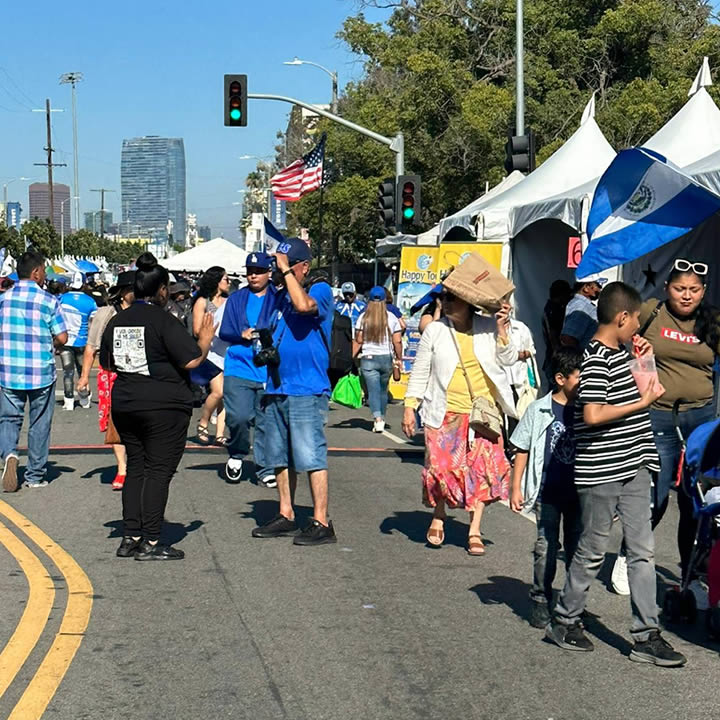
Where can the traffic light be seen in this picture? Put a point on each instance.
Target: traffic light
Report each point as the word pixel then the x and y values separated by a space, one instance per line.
pixel 236 100
pixel 386 203
pixel 520 152
pixel 408 200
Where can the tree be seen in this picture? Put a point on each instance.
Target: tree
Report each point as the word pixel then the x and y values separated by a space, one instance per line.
pixel 11 241
pixel 443 73
pixel 42 236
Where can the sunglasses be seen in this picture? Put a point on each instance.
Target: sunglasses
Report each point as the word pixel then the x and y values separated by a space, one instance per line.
pixel 256 271
pixel 686 266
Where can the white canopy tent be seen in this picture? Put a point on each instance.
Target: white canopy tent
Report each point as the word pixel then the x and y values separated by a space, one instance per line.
pixel 214 252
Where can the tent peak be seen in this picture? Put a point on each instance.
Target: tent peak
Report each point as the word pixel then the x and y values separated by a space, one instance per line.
pixel 702 79
pixel 589 111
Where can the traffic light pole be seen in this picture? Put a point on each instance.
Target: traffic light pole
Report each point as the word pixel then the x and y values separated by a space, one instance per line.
pixel 396 144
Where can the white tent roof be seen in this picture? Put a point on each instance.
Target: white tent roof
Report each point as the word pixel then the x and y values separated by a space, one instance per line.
pixel 580 161
pixel 707 171
pixel 214 252
pixel 691 134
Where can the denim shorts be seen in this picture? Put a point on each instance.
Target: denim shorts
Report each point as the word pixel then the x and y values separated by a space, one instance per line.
pixel 295 432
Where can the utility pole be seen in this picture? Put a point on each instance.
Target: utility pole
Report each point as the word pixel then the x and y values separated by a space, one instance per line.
pixel 73 78
pixel 102 192
pixel 519 70
pixel 50 164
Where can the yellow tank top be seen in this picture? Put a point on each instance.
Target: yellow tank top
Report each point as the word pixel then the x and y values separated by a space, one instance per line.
pixel 458 395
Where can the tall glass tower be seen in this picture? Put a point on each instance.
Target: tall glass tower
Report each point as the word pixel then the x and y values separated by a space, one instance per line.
pixel 152 178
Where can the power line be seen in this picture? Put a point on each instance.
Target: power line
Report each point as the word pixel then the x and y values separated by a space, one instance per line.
pixel 18 88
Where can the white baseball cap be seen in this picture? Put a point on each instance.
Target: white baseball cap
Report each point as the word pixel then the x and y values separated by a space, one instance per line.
pixel 77 281
pixel 594 278
pixel 347 287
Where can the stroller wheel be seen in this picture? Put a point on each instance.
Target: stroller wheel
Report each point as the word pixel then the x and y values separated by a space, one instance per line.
pixel 672 606
pixel 688 606
pixel 712 622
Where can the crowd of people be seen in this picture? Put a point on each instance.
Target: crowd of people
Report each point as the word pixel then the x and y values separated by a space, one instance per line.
pixel 594 449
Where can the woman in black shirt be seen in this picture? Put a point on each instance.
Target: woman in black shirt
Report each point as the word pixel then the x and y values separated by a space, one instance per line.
pixel 151 353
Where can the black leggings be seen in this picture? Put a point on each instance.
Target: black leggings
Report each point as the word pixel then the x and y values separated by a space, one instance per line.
pixel 155 441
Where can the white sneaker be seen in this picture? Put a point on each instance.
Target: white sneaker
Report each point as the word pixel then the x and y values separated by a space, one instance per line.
pixel 233 470
pixel 269 481
pixel 619 578
pixel 69 404
pixel 698 588
pixel 379 425
pixel 85 402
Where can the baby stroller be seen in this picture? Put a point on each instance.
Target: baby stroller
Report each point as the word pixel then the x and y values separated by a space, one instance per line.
pixel 700 479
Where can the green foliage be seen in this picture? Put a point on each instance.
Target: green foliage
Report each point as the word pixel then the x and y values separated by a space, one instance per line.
pixel 443 73
pixel 42 236
pixel 11 240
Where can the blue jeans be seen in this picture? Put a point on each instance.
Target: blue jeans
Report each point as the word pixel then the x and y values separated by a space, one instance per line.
pixel 243 400
pixel 376 371
pixel 295 432
pixel 12 413
pixel 668 445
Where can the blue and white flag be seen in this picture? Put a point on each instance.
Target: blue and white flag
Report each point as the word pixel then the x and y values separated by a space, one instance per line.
pixel 273 237
pixel 641 202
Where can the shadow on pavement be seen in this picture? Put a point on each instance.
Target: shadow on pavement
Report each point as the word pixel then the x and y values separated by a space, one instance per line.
pixel 414 525
pixel 172 532
pixel 53 471
pixel 107 474
pixel 355 424
pixel 263 511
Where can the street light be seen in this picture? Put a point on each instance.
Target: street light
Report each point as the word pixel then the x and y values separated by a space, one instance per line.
pixel 5 200
pixel 62 223
pixel 333 76
pixel 72 78
pixel 256 157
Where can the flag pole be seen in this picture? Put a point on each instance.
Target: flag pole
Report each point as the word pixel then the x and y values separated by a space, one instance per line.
pixel 321 208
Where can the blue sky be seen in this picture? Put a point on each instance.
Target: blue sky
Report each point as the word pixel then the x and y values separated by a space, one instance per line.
pixel 155 68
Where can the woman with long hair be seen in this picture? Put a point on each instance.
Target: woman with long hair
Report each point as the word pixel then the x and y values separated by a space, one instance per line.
pixel 462 350
pixel 120 298
pixel 210 298
pixel 378 336
pixel 151 353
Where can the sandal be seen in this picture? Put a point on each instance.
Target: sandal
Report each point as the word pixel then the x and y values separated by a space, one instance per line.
pixel 203 435
pixel 436 536
pixel 222 441
pixel 475 545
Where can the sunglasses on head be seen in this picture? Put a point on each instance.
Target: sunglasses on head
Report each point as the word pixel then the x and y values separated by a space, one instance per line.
pixel 686 266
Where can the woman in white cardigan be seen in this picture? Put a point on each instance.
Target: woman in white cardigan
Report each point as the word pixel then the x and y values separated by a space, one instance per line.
pixel 461 470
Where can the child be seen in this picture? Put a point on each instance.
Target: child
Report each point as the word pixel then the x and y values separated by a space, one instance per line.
pixel 545 437
pixel 614 453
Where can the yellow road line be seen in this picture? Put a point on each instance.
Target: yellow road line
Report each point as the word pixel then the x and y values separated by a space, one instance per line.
pixel 41 594
pixel 52 670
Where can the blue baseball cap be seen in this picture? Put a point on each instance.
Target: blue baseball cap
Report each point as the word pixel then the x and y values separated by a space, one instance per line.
pixel 377 293
pixel 258 260
pixel 297 250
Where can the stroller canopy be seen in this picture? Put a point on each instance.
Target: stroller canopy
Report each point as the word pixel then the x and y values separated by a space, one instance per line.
pixel 703 452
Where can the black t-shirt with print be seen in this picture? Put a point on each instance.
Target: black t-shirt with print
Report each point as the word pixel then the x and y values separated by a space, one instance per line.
pixel 148 348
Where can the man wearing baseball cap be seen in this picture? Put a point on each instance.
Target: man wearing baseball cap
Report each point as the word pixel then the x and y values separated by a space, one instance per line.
pixel 581 313
pixel 350 306
pixel 296 399
pixel 244 383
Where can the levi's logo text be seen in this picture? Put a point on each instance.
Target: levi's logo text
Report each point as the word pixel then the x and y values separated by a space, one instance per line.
pixel 678 336
pixel 481 277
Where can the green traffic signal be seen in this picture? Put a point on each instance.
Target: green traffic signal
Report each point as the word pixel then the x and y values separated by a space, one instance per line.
pixel 235 114
pixel 408 213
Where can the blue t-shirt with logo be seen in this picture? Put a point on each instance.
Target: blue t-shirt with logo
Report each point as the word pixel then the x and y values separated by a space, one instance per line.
pixel 303 342
pixel 559 462
pixel 77 310
pixel 239 358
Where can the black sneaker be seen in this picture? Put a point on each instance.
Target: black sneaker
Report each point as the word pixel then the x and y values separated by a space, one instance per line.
pixel 568 637
pixel 148 551
pixel 540 615
pixel 128 546
pixel 315 533
pixel 233 470
pixel 657 651
pixel 279 526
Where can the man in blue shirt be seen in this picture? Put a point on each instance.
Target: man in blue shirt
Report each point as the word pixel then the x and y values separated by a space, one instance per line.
pixel 244 383
pixel 78 309
pixel 296 399
pixel 350 306
pixel 581 313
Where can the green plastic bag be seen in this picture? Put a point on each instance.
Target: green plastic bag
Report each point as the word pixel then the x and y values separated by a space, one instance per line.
pixel 348 391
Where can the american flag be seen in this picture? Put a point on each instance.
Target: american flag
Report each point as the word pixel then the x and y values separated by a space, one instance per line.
pixel 302 176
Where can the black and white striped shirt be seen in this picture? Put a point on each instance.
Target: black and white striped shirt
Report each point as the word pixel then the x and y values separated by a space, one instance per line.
pixel 614 451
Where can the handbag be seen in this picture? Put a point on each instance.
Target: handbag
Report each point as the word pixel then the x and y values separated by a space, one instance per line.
pixel 112 436
pixel 530 390
pixel 348 391
pixel 485 418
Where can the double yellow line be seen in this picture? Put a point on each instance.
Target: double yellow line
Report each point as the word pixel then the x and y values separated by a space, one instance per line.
pixel 41 596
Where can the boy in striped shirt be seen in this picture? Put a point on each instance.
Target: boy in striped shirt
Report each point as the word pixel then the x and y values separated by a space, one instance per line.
pixel 615 453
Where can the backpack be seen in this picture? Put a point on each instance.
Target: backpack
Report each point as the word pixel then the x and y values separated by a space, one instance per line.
pixel 341 343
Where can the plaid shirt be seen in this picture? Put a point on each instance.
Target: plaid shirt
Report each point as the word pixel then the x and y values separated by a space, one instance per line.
pixel 29 318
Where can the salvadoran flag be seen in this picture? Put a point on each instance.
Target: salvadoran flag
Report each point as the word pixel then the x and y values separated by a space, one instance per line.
pixel 642 201
pixel 273 237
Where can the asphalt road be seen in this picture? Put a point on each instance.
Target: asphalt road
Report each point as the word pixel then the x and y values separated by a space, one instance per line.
pixel 376 626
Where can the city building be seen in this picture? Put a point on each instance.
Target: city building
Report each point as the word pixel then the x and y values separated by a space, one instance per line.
pixel 152 178
pixel 204 233
pixel 39 196
pixel 301 133
pixel 191 232
pixel 92 221
pixel 13 215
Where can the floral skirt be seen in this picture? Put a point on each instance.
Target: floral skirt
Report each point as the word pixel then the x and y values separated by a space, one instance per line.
pixel 105 381
pixel 460 473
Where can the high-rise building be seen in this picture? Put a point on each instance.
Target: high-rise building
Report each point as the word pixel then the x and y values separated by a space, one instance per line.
pixel 152 178
pixel 92 221
pixel 204 233
pixel 40 203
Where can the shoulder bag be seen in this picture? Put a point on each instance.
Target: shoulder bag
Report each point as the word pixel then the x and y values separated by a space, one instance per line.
pixel 485 418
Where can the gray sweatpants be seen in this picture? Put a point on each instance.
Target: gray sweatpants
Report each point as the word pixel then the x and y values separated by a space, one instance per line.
pixel 598 504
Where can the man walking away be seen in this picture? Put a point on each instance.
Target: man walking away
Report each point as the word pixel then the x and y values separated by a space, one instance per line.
pixel 78 309
pixel 297 397
pixel 31 325
pixel 244 383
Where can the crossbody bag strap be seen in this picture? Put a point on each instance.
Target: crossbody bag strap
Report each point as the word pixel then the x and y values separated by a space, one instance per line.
pixel 462 364
pixel 641 332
